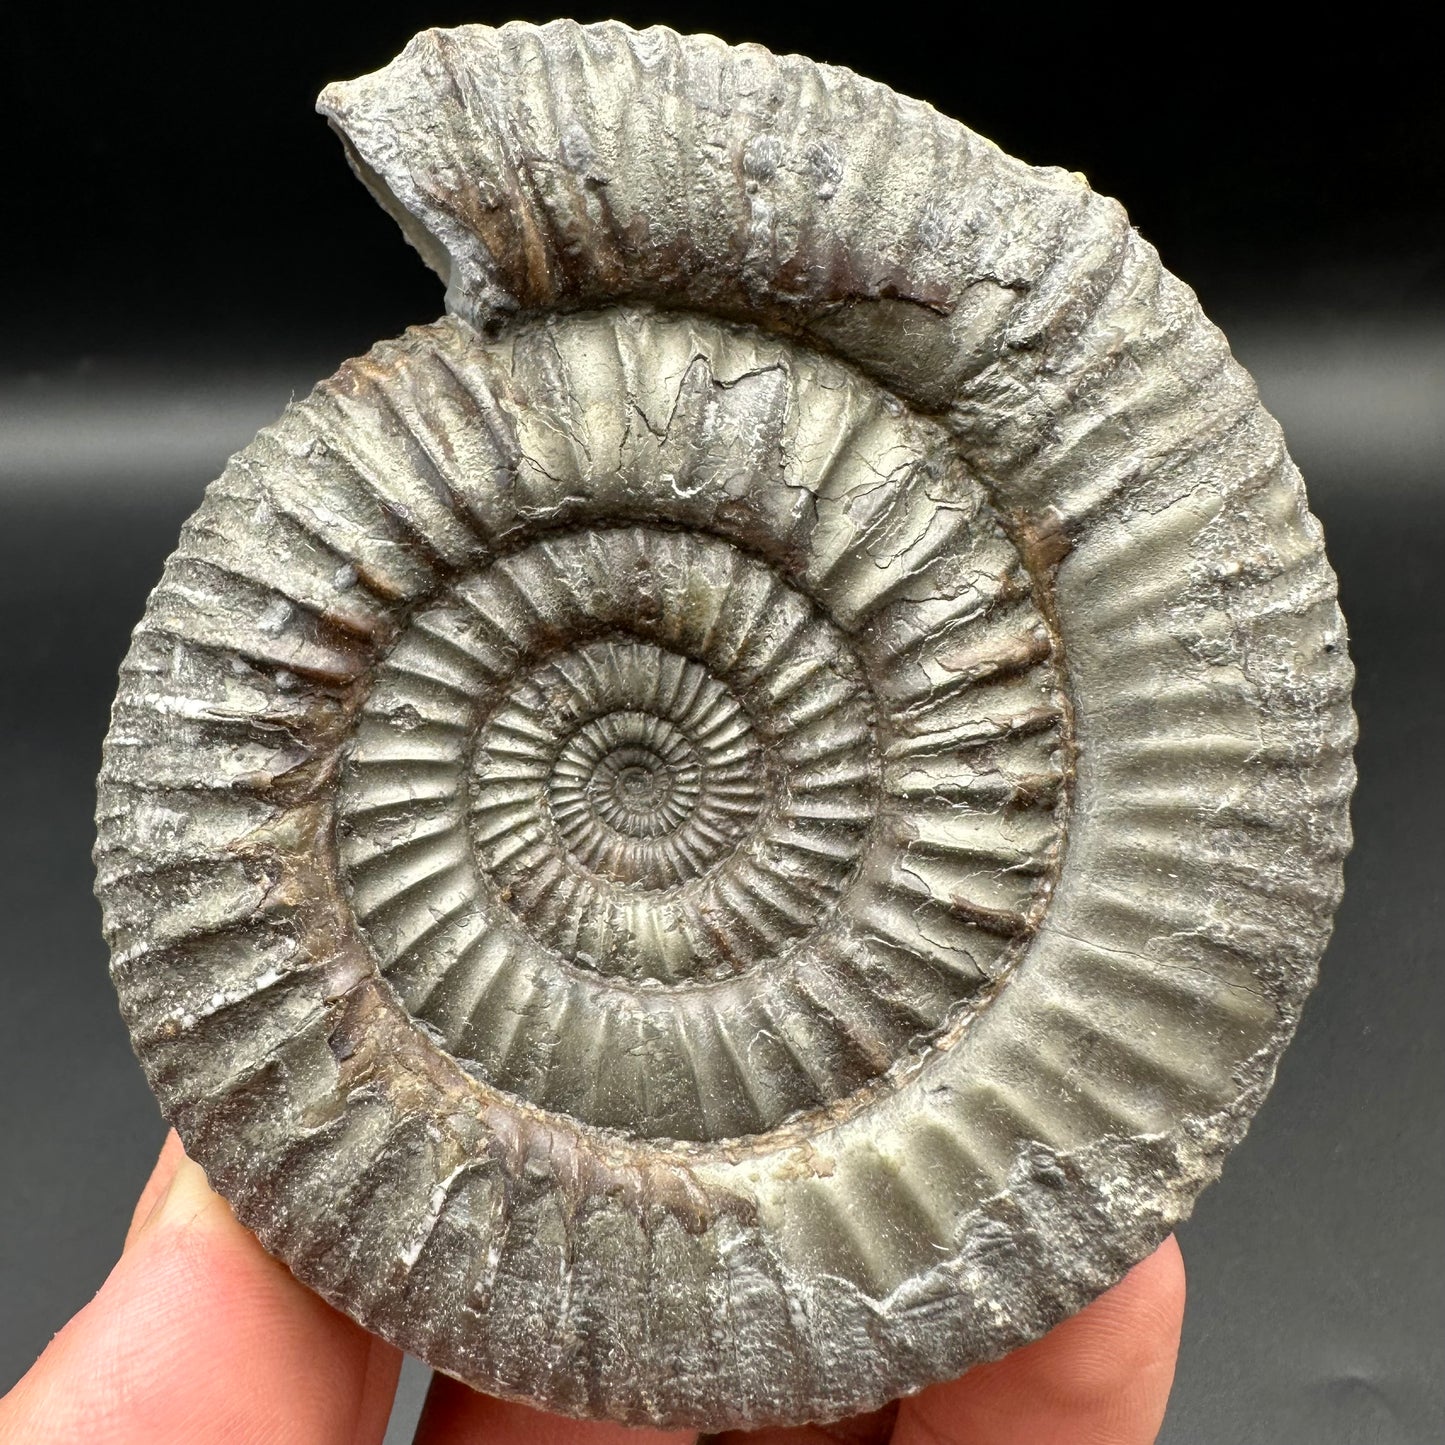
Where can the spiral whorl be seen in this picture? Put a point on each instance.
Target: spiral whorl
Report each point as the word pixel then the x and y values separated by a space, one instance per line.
pixel 664 782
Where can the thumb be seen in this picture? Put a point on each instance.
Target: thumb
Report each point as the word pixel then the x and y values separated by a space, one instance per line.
pixel 198 1334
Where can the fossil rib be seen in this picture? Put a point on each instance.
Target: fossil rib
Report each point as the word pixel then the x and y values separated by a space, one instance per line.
pixel 738 824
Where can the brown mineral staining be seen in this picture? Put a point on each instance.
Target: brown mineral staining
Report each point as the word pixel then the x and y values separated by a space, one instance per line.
pixel 633 824
pixel 1043 539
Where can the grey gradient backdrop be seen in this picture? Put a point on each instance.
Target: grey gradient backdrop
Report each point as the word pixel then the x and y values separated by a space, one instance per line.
pixel 144 347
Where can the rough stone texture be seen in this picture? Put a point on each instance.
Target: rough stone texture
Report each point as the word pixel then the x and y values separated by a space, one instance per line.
pixel 739 824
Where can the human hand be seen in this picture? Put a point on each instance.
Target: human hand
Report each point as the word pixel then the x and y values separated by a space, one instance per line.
pixel 199 1336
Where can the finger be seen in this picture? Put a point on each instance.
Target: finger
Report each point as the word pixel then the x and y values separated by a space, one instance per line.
pixel 378 1391
pixel 1100 1378
pixel 199 1335
pixel 872 1429
pixel 156 1186
pixel 455 1415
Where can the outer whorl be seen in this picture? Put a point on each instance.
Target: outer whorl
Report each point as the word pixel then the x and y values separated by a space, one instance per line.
pixel 740 823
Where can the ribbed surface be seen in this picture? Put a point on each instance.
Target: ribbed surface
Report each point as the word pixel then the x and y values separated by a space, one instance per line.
pixel 696 959
pixel 674 880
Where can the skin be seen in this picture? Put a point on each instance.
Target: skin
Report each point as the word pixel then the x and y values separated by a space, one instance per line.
pixel 199 1335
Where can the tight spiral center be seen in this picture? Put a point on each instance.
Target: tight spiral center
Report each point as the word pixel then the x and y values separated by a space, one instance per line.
pixel 629 773
pixel 654 796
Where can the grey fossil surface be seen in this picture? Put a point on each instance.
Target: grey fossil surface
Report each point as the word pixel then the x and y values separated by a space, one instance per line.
pixel 738 824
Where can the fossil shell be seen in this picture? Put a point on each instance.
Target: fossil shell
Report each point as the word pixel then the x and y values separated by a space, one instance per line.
pixel 738 824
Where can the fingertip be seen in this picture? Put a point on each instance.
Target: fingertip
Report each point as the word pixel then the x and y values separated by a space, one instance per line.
pixel 1123 1341
pixel 1103 1375
pixel 156 1185
pixel 1172 1282
pixel 378 1390
pixel 188 1202
pixel 199 1334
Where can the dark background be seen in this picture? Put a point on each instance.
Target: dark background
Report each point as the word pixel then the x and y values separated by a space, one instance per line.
pixel 183 247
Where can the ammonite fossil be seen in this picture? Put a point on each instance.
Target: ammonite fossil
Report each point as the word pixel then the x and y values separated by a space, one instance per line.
pixel 739 823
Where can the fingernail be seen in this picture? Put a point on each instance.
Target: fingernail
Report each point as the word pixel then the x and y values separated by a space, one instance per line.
pixel 188 1199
